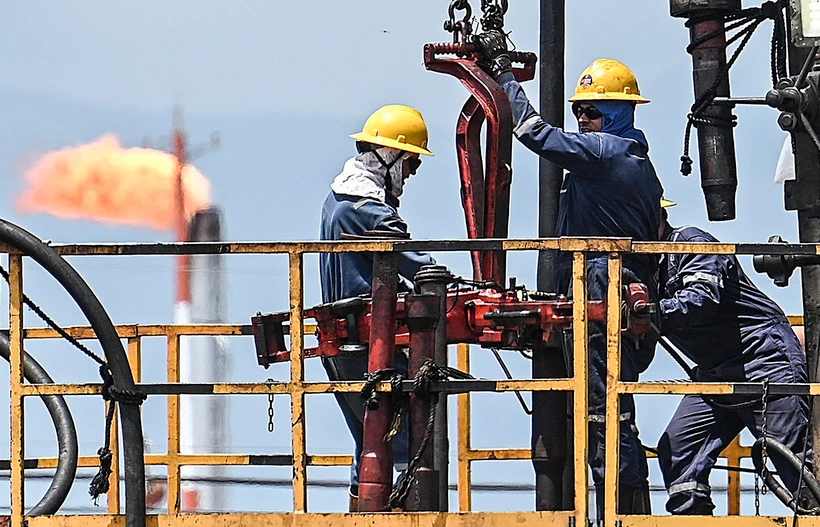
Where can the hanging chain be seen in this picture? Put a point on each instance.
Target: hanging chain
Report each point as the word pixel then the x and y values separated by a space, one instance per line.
pixel 757 494
pixel 763 432
pixel 53 325
pixel 271 412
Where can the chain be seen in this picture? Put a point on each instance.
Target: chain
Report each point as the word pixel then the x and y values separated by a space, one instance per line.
pixel 763 432
pixel 422 382
pixel 462 27
pixel 271 411
pixel 493 18
pixel 757 494
pixel 53 325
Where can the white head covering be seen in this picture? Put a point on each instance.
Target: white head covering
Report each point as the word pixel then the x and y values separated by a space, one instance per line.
pixel 364 175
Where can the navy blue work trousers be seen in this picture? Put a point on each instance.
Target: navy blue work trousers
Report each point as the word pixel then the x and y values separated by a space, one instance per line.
pixel 634 471
pixel 698 433
pixel 354 368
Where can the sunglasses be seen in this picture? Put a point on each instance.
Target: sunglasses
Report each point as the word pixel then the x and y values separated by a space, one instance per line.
pixel 413 163
pixel 591 112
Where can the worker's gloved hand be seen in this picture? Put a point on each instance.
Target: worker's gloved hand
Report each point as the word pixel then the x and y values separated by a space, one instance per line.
pixel 493 53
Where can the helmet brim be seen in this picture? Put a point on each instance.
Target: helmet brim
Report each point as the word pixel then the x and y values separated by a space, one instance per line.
pixel 608 97
pixel 392 143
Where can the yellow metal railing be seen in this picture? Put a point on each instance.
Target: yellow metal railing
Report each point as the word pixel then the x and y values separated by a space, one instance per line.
pixel 297 387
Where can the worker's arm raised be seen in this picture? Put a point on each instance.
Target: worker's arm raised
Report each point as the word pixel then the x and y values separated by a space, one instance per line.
pixel 575 152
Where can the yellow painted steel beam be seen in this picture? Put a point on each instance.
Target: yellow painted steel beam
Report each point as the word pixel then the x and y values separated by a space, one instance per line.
pixel 297 379
pixel 580 346
pixel 16 380
pixel 112 497
pixel 322 460
pixel 300 247
pixel 499 454
pixel 613 377
pixel 595 244
pixel 681 388
pixel 172 455
pixel 154 330
pixel 716 521
pixel 531 245
pixel 684 248
pixel 733 453
pixel 502 385
pixel 464 416
pixel 420 519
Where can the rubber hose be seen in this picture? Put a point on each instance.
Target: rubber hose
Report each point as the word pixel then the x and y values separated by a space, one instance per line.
pixel 115 356
pixel 784 494
pixel 66 435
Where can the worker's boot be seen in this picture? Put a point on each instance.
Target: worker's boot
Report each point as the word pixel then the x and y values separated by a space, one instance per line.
pixel 354 502
pixel 634 500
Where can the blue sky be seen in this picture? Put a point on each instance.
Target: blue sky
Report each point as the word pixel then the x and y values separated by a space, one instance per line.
pixel 284 84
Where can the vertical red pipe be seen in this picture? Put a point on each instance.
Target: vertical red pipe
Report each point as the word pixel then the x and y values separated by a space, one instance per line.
pixel 376 467
pixel 422 313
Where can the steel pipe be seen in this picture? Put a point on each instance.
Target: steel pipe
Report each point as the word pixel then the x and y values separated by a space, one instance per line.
pixel 376 466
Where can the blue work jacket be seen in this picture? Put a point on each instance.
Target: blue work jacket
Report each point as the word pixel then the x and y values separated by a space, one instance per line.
pixel 611 188
pixel 345 275
pixel 720 320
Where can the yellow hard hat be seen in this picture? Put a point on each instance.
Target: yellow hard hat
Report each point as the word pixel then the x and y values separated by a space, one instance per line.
pixel 396 126
pixel 665 203
pixel 607 80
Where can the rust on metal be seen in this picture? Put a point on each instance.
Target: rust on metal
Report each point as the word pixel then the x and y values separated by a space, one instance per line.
pixel 17 438
pixel 173 451
pixel 613 368
pixel 297 378
pixel 580 345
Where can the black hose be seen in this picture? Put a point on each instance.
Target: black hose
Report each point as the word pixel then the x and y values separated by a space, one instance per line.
pixel 115 355
pixel 782 493
pixel 66 435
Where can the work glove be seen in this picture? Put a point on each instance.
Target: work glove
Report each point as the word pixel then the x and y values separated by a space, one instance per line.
pixel 494 58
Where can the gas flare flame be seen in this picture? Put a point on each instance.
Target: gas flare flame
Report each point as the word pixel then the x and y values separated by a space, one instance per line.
pixel 102 181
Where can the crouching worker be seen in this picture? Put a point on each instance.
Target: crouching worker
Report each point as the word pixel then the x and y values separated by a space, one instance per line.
pixel 733 332
pixel 365 197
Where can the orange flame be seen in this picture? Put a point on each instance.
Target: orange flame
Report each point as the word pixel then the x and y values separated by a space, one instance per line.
pixel 103 181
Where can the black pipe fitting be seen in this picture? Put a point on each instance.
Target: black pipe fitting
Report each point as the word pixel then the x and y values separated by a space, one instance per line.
pixel 714 123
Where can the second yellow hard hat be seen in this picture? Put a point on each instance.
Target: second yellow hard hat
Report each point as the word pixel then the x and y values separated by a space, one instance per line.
pixel 607 80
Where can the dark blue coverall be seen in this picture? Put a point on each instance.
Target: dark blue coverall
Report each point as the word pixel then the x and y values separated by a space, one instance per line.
pixel 611 190
pixel 345 275
pixel 733 332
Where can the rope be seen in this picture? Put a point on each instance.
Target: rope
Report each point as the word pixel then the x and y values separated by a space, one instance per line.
pixel 746 21
pixel 53 325
pixel 422 383
pixel 372 380
pixel 112 395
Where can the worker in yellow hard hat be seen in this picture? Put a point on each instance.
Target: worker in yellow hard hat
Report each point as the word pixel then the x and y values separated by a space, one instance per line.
pixel 611 190
pixel 712 313
pixel 365 197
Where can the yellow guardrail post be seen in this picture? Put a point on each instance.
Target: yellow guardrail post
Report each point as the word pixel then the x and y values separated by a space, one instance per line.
pixel 174 471
pixel 613 377
pixel 297 379
pixel 17 408
pixel 465 495
pixel 580 392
